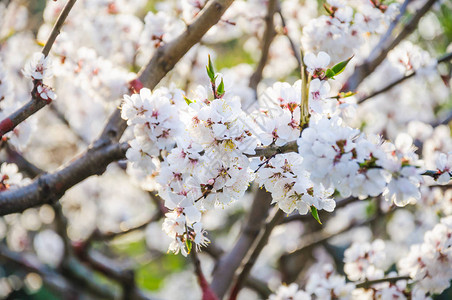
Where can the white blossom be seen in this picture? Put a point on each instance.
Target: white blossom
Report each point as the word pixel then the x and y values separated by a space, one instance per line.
pixel 38 67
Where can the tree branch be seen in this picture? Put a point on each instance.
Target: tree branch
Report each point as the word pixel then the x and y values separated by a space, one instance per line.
pixel 52 279
pixel 296 51
pixel 166 58
pixel 122 274
pixel 267 39
pixel 98 236
pixel 384 46
pixel 13 156
pixel 57 27
pixel 444 58
pixel 271 150
pixel 367 284
pixel 252 257
pixel 226 266
pixel 207 293
pixel 50 187
pixel 35 104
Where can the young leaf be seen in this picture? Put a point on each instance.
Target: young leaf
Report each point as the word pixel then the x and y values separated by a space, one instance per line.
pixel 188 101
pixel 329 74
pixel 315 214
pixel 337 68
pixel 343 95
pixel 340 67
pixel 210 70
pixel 220 89
pixel 188 243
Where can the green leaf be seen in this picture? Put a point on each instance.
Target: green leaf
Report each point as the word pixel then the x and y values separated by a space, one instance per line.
pixel 348 94
pixel 371 209
pixel 220 89
pixel 188 101
pixel 337 68
pixel 343 95
pixel 210 70
pixel 189 245
pixel 329 74
pixel 315 214
pixel 340 67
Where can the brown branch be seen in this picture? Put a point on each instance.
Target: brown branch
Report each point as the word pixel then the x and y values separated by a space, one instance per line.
pixel 25 166
pixel 166 58
pixel 61 223
pixel 50 187
pixel 99 236
pixel 206 290
pixel 226 266
pixel 443 58
pixel 382 49
pixel 35 104
pixel 251 259
pixel 295 50
pixel 21 115
pixel 271 150
pixel 122 274
pixel 57 27
pixel 316 238
pixel 30 263
pixel 367 284
pixel 52 279
pixel 385 39
pixel 267 39
pixel 86 279
pixel 251 282
pixel 64 120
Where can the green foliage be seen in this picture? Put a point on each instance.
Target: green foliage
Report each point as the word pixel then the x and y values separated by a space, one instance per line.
pixel 315 214
pixel 211 71
pixel 371 208
pixel 220 90
pixel 151 271
pixel 188 101
pixel 231 54
pixel 337 68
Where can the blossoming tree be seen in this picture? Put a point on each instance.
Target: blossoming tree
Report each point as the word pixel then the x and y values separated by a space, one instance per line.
pixel 224 149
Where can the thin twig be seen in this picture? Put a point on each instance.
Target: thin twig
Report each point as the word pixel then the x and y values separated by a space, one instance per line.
pixel 226 266
pixel 271 150
pixel 251 259
pixel 367 284
pixel 388 34
pixel 57 27
pixel 104 150
pixel 36 104
pixel 123 274
pixel 382 49
pixel 320 237
pixel 52 279
pixel 443 58
pixel 295 49
pixel 267 39
pixel 30 263
pixel 65 121
pixel 98 236
pixel 207 292
pixel 24 165
pixel 48 188
pixel 251 282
